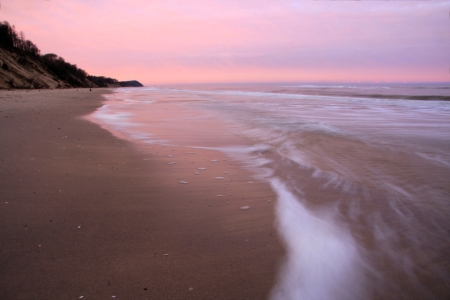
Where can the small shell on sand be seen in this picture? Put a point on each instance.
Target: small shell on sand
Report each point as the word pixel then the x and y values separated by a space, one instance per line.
pixel 219 178
pixel 172 163
pixel 214 160
pixel 201 168
pixel 244 207
pixel 183 182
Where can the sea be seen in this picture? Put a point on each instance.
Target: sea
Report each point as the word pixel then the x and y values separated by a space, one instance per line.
pixel 361 172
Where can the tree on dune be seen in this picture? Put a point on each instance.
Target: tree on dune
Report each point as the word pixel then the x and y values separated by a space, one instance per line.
pixel 9 39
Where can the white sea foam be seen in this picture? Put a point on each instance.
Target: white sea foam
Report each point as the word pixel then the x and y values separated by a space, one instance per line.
pixel 106 115
pixel 323 261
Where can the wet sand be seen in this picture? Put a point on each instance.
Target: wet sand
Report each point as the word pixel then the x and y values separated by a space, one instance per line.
pixel 84 213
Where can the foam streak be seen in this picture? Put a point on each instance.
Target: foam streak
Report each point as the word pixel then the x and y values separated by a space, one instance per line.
pixel 322 261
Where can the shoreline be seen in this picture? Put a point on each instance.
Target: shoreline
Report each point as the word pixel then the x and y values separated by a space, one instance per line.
pixel 93 215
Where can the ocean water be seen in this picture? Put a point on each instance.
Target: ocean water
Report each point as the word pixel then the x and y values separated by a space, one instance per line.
pixel 361 173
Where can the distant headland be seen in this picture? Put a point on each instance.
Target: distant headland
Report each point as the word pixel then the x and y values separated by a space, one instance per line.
pixel 23 67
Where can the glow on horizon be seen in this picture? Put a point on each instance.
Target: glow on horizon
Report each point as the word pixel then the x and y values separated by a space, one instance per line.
pixel 176 41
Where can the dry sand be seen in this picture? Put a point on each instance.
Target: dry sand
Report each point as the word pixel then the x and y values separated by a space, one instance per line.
pixel 84 213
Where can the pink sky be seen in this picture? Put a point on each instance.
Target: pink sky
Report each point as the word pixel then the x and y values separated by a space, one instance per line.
pixel 184 41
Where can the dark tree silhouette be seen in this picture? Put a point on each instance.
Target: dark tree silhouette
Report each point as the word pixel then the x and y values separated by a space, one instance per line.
pixel 102 81
pixel 65 71
pixel 9 39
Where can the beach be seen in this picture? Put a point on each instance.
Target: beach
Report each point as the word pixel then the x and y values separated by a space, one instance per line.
pixel 86 214
pixel 250 191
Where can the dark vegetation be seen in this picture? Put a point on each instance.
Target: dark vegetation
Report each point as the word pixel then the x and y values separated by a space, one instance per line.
pixel 56 65
pixel 10 39
pixel 133 83
pixel 103 81
pixel 65 71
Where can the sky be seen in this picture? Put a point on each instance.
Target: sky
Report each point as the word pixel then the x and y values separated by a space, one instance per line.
pixel 201 41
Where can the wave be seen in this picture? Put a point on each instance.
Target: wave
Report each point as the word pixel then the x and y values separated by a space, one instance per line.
pixel 317 95
pixel 313 86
